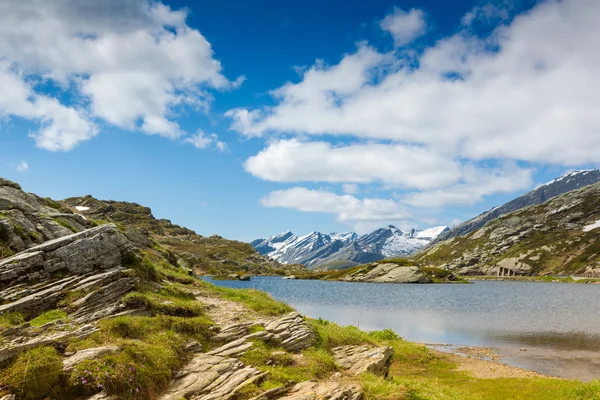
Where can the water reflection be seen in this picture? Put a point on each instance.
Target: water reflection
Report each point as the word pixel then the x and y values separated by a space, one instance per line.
pixel 508 315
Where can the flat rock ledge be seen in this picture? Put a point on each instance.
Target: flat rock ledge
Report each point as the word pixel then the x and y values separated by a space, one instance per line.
pixel 324 391
pixel 234 332
pixel 71 362
pixel 209 377
pixel 292 331
pixel 359 359
pixel 388 273
pixel 240 346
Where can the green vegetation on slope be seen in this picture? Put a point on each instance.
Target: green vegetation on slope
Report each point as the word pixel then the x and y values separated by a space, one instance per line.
pixel 212 255
pixel 546 239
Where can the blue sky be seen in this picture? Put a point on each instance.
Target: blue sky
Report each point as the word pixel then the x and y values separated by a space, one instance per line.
pixel 246 119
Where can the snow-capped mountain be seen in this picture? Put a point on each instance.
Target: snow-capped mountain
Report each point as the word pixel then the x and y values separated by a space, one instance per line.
pixel 346 248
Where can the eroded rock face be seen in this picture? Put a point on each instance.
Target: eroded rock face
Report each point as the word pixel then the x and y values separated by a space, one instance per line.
pixel 240 346
pixel 359 359
pixel 96 249
pixel 324 391
pixel 26 219
pixel 209 377
pixel 292 331
pixel 388 273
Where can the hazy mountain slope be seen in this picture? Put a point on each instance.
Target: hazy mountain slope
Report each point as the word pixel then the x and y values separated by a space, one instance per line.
pixel 340 250
pixel 571 181
pixel 560 236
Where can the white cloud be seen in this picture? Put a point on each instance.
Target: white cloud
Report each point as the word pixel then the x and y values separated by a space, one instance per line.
pixel 23 166
pixel 527 93
pixel 395 165
pixel 475 186
pixel 488 13
pixel 129 63
pixel 405 26
pixel 61 127
pixel 347 208
pixel 350 188
pixel 202 141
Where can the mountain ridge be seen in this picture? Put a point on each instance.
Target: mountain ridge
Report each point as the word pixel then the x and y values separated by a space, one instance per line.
pixel 563 184
pixel 345 248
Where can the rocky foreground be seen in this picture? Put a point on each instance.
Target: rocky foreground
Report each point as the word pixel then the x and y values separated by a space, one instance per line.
pixel 107 312
pixel 93 264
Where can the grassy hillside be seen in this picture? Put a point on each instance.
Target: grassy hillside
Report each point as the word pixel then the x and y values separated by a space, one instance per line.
pixel 212 255
pixel 555 237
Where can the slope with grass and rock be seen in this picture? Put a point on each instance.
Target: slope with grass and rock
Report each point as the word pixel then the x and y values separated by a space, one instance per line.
pixel 99 315
pixel 212 255
pixel 557 237
pixel 563 184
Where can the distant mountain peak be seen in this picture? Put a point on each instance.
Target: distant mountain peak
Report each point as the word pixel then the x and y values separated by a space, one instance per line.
pixel 316 248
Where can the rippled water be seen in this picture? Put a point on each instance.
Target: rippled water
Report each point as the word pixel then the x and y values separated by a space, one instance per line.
pixel 501 314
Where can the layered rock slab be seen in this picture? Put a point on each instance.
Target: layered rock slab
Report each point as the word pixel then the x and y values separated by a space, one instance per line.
pixel 388 273
pixel 292 331
pixel 96 249
pixel 324 391
pixel 360 359
pixel 209 377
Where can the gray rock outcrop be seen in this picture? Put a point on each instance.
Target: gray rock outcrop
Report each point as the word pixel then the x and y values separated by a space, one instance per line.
pixel 359 359
pixel 27 220
pixel 96 249
pixel 209 377
pixel 324 391
pixel 292 331
pixel 388 273
pixel 71 362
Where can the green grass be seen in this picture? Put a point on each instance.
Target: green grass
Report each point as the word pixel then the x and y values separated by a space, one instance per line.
pixel 65 224
pixel 48 316
pixel 152 350
pixel 254 299
pixel 164 303
pixel 11 319
pixel 140 371
pixel 33 374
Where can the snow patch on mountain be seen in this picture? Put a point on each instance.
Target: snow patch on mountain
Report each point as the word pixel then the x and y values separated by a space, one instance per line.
pixel 318 248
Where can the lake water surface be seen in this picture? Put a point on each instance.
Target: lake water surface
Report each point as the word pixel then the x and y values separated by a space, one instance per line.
pixel 558 324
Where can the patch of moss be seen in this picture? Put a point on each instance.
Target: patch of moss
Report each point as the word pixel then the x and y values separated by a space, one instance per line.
pixel 65 224
pixel 48 316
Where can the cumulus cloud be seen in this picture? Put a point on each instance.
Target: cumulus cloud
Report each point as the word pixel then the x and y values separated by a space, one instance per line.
pixel 129 63
pixel 394 165
pixel 527 92
pixel 202 141
pixel 23 166
pixel 404 26
pixel 475 185
pixel 350 188
pixel 347 208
